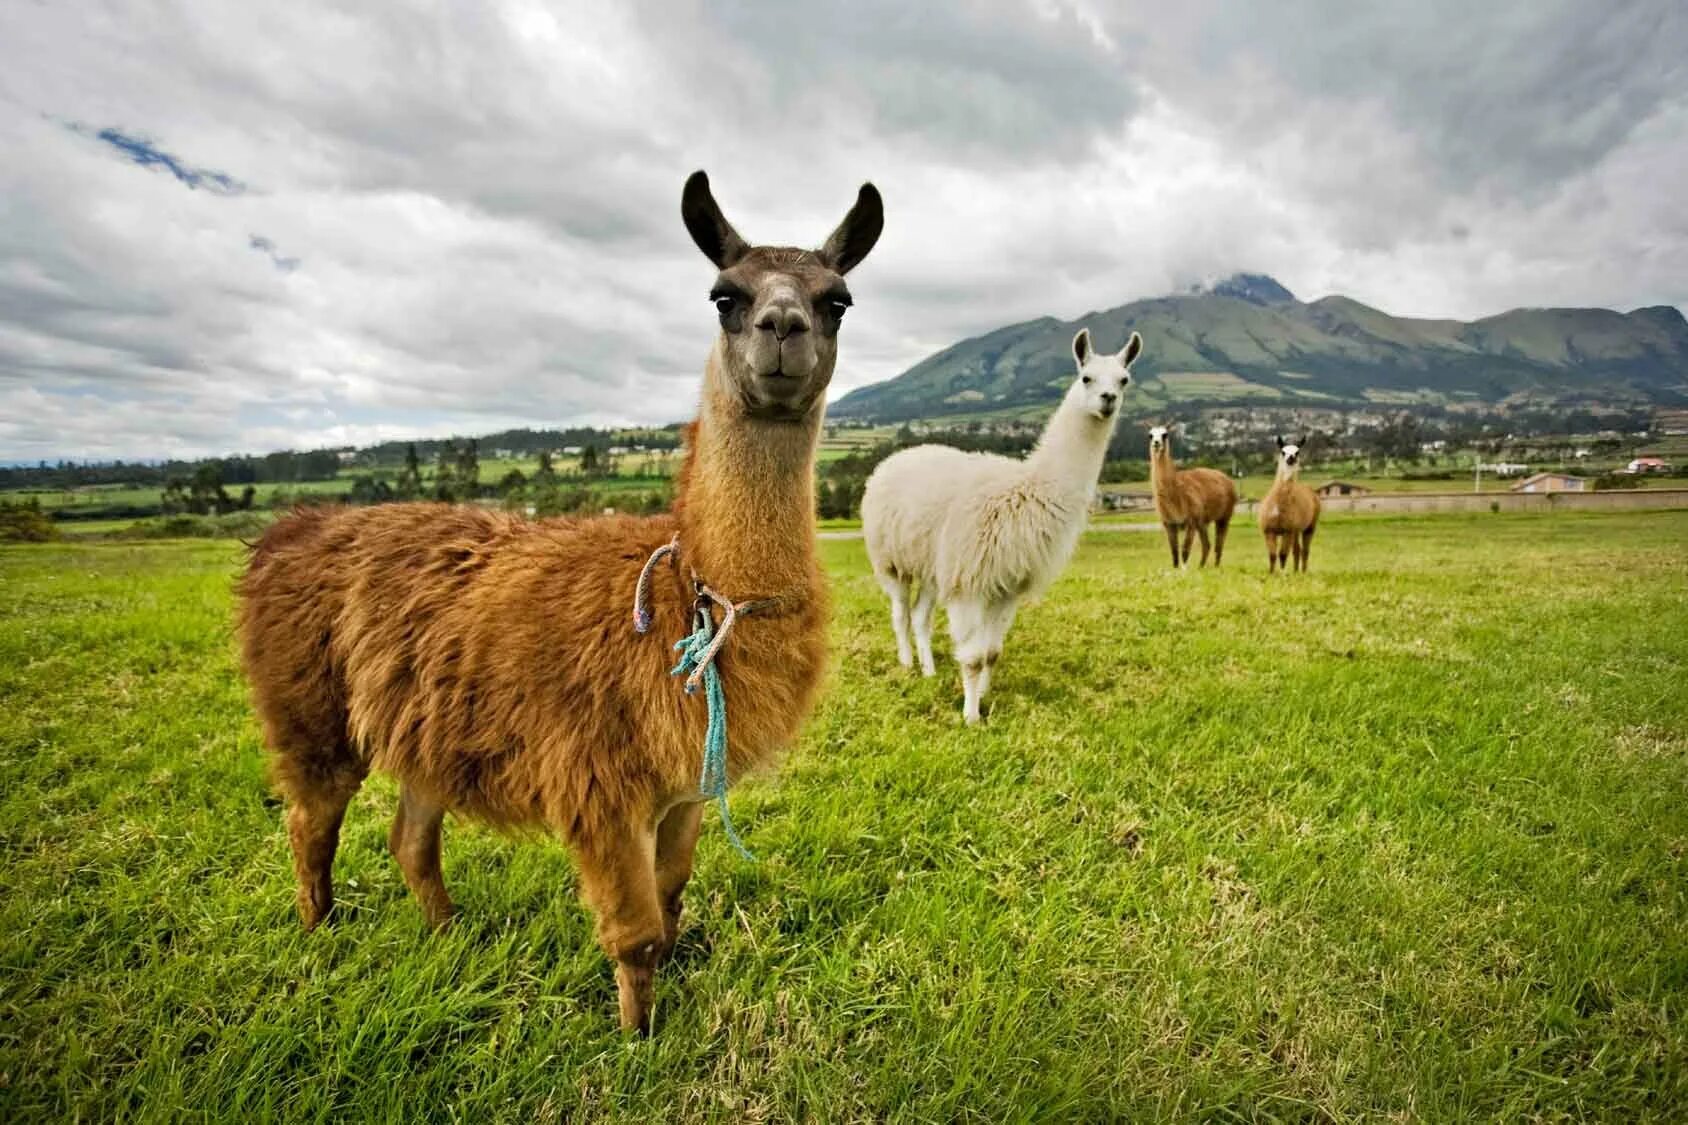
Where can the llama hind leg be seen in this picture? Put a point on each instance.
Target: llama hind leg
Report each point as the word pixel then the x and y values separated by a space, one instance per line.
pixel 1271 552
pixel 676 842
pixel 1201 529
pixel 415 843
pixel 618 878
pixel 1189 540
pixel 317 771
pixel 1306 547
pixel 314 817
pixel 1220 528
pixel 924 605
pixel 897 589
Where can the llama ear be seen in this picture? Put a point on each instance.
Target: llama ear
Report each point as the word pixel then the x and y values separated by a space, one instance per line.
pixel 1280 441
pixel 1081 346
pixel 855 236
pixel 1133 348
pixel 709 228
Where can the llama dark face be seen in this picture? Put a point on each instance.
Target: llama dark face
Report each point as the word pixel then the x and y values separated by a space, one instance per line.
pixel 1103 378
pixel 780 308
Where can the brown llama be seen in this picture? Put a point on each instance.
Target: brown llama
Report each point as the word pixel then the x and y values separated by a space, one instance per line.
pixel 1289 513
pixel 1189 499
pixel 491 664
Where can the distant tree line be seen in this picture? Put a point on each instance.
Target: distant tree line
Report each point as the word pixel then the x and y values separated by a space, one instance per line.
pixel 549 491
pixel 286 466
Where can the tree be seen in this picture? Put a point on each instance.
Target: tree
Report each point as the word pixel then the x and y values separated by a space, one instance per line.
pixel 469 469
pixel 445 473
pixel 369 489
pixel 409 485
pixel 589 461
pixel 206 493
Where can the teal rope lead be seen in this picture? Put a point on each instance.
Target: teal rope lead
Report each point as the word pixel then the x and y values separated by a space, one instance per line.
pixel 697 655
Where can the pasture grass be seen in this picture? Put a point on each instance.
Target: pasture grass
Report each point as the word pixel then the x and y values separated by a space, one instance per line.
pixel 1403 838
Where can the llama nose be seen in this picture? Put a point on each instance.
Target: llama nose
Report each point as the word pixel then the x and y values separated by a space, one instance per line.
pixel 783 318
pixel 1109 398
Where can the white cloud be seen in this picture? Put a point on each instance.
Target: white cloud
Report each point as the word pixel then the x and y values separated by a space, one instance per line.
pixel 467 218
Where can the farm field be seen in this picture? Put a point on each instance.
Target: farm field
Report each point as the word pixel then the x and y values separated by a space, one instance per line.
pixel 1404 838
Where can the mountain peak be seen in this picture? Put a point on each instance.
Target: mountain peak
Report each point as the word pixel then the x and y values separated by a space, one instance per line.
pixel 1255 288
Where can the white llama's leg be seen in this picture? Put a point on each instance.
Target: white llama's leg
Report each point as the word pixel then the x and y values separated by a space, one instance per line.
pixel 967 631
pixel 998 618
pixel 924 604
pixel 897 589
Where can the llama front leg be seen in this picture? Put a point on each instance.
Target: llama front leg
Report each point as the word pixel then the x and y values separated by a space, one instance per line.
pixel 998 619
pixel 415 843
pixel 1172 541
pixel 924 605
pixel 618 879
pixel 897 590
pixel 1271 552
pixel 1201 529
pixel 1189 539
pixel 676 842
pixel 1219 530
pixel 1306 547
pixel 967 634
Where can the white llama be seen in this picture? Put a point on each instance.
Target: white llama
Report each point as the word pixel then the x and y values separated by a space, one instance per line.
pixel 979 532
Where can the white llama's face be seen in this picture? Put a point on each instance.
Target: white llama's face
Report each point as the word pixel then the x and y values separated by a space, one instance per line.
pixel 1157 439
pixel 1289 458
pixel 1102 379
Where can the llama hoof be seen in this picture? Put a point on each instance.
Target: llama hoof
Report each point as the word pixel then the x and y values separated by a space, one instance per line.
pixel 311 912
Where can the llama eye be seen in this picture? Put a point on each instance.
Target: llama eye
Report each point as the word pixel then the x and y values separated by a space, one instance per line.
pixel 724 305
pixel 838 308
pixel 1087 380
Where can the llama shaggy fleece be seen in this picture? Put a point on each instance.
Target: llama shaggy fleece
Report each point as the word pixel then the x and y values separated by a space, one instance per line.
pixel 979 532
pixel 1189 500
pixel 1288 513
pixel 491 664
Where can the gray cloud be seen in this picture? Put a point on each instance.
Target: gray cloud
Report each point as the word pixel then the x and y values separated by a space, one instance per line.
pixel 462 219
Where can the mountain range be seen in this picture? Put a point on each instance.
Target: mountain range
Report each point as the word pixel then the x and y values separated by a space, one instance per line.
pixel 1247 340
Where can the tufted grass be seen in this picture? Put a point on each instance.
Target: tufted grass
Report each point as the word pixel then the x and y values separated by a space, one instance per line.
pixel 1401 839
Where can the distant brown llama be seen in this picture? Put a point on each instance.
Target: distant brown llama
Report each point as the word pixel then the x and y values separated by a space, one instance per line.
pixel 1189 499
pixel 1289 513
pixel 490 663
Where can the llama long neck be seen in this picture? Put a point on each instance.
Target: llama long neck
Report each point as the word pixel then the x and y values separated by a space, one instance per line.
pixel 1162 470
pixel 747 505
pixel 1069 454
pixel 1286 473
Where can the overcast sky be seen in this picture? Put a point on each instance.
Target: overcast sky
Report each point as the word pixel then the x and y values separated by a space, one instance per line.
pixel 241 227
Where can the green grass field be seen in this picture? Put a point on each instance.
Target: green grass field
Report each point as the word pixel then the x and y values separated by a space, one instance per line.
pixel 1405 838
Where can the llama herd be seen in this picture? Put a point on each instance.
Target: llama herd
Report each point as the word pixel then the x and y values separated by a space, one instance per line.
pixel 521 672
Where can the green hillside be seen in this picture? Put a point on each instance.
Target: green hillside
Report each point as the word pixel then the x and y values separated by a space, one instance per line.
pixel 1249 340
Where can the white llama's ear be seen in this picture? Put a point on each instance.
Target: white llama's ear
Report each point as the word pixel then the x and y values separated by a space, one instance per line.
pixel 855 236
pixel 709 228
pixel 1280 441
pixel 1081 346
pixel 1133 348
